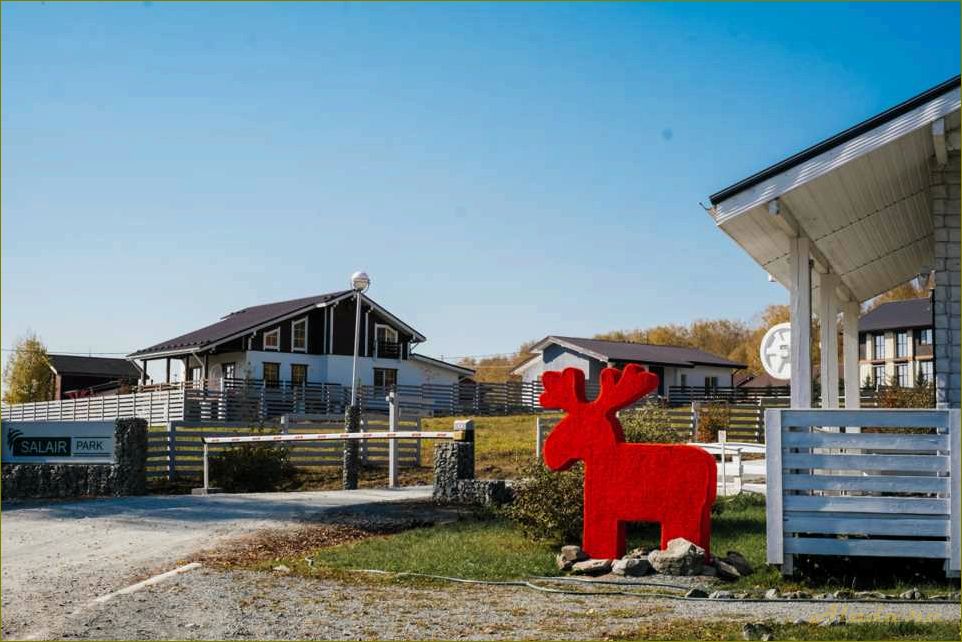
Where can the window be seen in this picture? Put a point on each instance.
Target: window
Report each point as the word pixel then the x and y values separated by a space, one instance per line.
pixel 925 373
pixel 902 344
pixel 272 374
pixel 902 374
pixel 879 352
pixel 230 370
pixel 711 383
pixel 878 376
pixel 386 342
pixel 196 373
pixel 683 379
pixel 298 374
pixel 385 377
pixel 925 337
pixel 272 340
pixel 299 336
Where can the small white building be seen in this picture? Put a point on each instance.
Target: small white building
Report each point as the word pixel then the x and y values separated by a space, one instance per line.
pixel 674 365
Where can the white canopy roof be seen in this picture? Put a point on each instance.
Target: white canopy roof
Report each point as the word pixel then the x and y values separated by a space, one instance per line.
pixel 861 197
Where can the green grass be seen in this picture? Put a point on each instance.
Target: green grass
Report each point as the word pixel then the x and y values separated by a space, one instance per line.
pixel 474 549
pixel 501 443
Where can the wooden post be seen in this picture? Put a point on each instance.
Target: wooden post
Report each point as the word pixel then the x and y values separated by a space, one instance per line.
pixel 538 437
pixel 167 376
pixel 800 313
pixel 695 408
pixel 722 438
pixel 392 426
pixel 171 451
pixel 955 497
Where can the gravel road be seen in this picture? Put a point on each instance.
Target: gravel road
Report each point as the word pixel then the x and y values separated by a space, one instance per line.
pixel 57 556
pixel 209 604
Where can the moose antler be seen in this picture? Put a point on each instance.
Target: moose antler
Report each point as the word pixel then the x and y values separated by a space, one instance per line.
pixel 624 387
pixel 565 390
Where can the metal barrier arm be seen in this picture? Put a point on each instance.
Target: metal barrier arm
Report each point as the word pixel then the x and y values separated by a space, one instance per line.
pixel 327 436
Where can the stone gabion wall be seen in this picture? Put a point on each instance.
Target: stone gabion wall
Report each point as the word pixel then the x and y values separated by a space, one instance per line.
pixel 946 213
pixel 454 480
pixel 128 476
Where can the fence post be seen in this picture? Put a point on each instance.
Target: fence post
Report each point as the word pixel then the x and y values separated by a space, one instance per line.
pixel 171 451
pixel 775 528
pixel 955 497
pixel 695 407
pixel 538 437
pixel 392 420
pixel 722 438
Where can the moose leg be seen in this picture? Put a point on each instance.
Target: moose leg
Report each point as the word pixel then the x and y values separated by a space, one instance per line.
pixel 604 537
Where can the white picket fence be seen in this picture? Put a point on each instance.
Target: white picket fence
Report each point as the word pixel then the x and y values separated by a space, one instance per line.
pixel 888 486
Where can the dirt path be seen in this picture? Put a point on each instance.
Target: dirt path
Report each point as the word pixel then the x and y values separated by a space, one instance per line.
pixel 56 557
pixel 210 604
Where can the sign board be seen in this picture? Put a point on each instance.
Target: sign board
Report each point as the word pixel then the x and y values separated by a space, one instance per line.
pixel 58 442
pixel 775 351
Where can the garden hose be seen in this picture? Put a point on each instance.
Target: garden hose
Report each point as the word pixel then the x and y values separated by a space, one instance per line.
pixel 651 594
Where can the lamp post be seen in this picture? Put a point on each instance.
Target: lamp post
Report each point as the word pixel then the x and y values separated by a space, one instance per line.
pixel 360 282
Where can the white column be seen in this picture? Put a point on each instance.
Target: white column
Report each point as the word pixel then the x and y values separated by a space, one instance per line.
pixel 853 384
pixel 828 339
pixel 800 315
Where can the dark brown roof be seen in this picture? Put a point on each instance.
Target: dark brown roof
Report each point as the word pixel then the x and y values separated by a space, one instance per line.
pixel 763 380
pixel 910 313
pixel 237 322
pixel 100 366
pixel 645 353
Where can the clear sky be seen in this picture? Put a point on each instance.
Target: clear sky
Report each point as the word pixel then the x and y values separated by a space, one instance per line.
pixel 503 171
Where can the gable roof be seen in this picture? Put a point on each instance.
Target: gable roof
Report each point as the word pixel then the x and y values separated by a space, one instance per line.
pixel 605 350
pixel 99 366
pixel 910 313
pixel 438 363
pixel 254 317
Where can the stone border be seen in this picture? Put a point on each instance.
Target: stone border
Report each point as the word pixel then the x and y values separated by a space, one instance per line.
pixel 126 476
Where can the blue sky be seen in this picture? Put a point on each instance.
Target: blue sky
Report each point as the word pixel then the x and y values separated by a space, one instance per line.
pixel 503 171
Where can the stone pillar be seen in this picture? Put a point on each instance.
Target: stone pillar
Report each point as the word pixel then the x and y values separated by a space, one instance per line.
pixel 944 194
pixel 352 423
pixel 130 443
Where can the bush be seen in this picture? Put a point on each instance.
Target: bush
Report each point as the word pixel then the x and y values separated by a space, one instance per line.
pixel 712 417
pixel 252 468
pixel 649 424
pixel 548 505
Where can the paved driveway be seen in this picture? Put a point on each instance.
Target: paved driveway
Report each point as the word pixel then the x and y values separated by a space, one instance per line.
pixel 57 556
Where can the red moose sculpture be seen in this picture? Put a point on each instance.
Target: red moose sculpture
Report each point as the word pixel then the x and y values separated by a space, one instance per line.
pixel 671 484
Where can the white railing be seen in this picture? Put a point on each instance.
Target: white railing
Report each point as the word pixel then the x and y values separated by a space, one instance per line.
pixel 885 485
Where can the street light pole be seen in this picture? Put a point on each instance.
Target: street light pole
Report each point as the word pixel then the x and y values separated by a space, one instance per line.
pixel 352 416
pixel 360 281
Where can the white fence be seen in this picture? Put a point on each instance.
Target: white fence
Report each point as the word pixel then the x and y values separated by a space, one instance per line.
pixel 888 486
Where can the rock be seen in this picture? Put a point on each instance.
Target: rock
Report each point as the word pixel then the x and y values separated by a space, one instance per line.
pixel 696 592
pixel 838 620
pixel 726 571
pixel 562 563
pixel 824 596
pixel 591 567
pixel 797 595
pixel 281 569
pixel 680 558
pixel 772 594
pixel 709 571
pixel 871 595
pixel 742 596
pixel 799 621
pixel 912 594
pixel 631 567
pixel 573 553
pixel 722 595
pixel 756 631
pixel 767 637
pixel 638 553
pixel 737 560
pixel 843 594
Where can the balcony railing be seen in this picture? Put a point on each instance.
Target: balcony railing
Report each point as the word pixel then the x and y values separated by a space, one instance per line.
pixel 387 350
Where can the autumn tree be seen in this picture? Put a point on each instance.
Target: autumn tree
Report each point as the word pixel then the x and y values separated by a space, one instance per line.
pixel 917 288
pixel 27 375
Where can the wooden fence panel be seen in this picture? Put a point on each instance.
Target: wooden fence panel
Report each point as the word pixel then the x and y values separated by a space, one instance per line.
pixel 896 478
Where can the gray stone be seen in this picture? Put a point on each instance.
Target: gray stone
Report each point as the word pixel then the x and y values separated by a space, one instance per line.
pixel 351 461
pixel 722 595
pixel 280 568
pixel 912 594
pixel 562 563
pixel 772 594
pixel 680 558
pixel 709 571
pixel 838 620
pixel 756 631
pixel 640 553
pixel 797 595
pixel 573 553
pixel 843 594
pixel 591 567
pixel 871 595
pixel 696 592
pixel 737 560
pixel 631 567
pixel 726 571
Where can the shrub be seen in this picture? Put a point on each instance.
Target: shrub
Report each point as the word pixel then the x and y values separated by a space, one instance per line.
pixel 712 417
pixel 252 468
pixel 548 505
pixel 649 423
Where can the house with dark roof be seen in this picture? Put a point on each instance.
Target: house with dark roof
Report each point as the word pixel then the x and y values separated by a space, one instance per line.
pixel 674 365
pixel 79 376
pixel 305 340
pixel 895 344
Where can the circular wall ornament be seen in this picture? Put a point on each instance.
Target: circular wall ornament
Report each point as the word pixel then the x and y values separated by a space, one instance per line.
pixel 775 351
